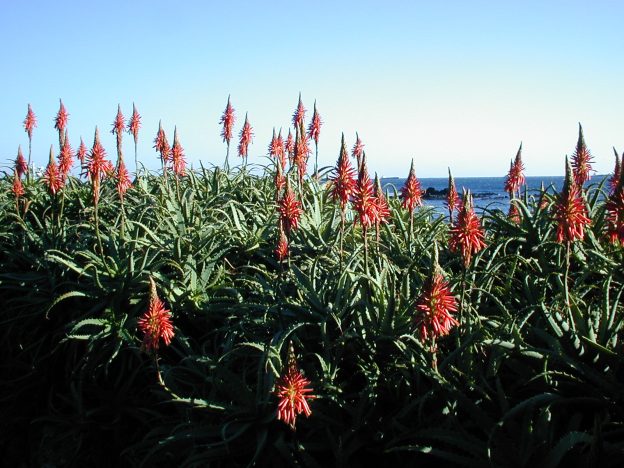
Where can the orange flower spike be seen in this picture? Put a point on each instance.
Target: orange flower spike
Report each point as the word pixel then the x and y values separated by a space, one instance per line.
pixel 66 157
pixel 227 120
pixel 21 167
pixel 289 209
pixel 293 392
pixel 30 122
pixel 314 129
pixel 467 236
pixel 122 177
pixel 60 121
pixel 134 124
pixel 343 182
pixel 615 178
pixel 289 147
pixel 515 178
pixel 581 161
pixel 435 308
pixel 570 212
pixel 98 167
pixel 411 193
pixel 358 148
pixel 614 211
pixel 119 124
pixel 177 155
pixel 161 144
pixel 282 251
pixel 155 323
pixel 299 114
pixel 82 152
pixel 382 208
pixel 364 199
pixel 18 188
pixel 452 197
pixel 246 137
pixel 51 176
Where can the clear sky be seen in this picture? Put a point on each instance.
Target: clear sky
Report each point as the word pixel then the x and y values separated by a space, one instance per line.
pixel 452 83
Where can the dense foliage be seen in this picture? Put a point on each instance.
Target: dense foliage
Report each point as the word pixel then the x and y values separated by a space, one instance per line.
pixel 532 375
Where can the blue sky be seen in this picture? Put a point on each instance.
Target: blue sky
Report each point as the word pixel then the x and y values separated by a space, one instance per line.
pixel 453 83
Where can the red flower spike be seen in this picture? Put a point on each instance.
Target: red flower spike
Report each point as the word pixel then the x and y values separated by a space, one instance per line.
pixel 467 236
pixel 292 390
pixel 66 157
pixel 21 167
pixel 290 148
pixel 614 211
pixel 358 148
pixel 98 167
pixel 382 208
pixel 18 188
pixel 615 178
pixel 134 124
pixel 82 152
pixel 289 209
pixel 434 309
pixel 581 161
pixel 411 193
pixel 302 152
pixel 161 144
pixel 452 197
pixel 280 181
pixel 514 213
pixel 227 120
pixel 30 122
pixel 277 151
pixel 177 155
pixel 314 129
pixel 122 178
pixel 51 176
pixel 515 178
pixel 60 121
pixel 570 212
pixel 282 251
pixel 246 137
pixel 343 183
pixel 364 202
pixel 155 323
pixel 299 115
pixel 119 124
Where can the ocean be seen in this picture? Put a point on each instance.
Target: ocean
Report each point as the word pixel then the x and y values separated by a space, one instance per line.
pixel 488 192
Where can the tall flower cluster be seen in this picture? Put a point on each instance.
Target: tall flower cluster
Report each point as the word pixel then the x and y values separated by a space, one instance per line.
pixel 615 211
pixel 278 153
pixel 178 163
pixel 570 212
pixel 299 114
pixel 161 144
pixel 411 193
pixel 289 147
pixel 51 176
pixel 581 161
pixel 282 251
pixel 30 122
pixel 60 122
pixel 364 202
pixel 98 167
pixel 302 152
pixel 227 120
pixel 134 124
pixel 66 157
pixel 435 308
pixel 18 188
pixel 314 129
pixel 381 204
pixel 343 182
pixel 246 136
pixel 155 323
pixel 21 167
pixel 617 170
pixel 293 392
pixel 515 178
pixel 466 235
pixel 119 124
pixel 452 197
pixel 289 209
pixel 358 149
